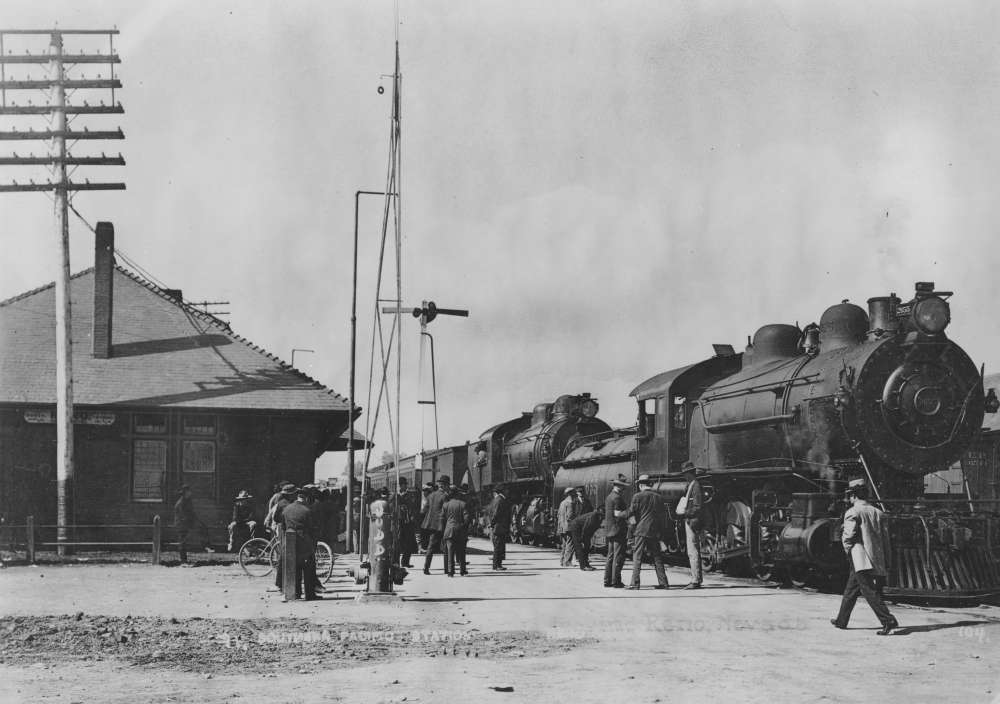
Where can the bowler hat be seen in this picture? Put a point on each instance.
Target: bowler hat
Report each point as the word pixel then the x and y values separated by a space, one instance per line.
pixel 620 482
pixel 688 467
pixel 444 479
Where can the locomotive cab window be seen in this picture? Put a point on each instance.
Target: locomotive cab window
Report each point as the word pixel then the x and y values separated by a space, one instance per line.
pixel 680 412
pixel 646 421
pixel 663 413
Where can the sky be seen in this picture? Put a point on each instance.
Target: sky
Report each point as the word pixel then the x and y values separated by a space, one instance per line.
pixel 608 187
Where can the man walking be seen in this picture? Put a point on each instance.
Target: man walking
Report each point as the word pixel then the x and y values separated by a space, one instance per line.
pixel 566 513
pixel 425 493
pixel 650 515
pixel 615 530
pixel 866 542
pixel 499 524
pixel 456 520
pixel 184 520
pixel 693 522
pixel 433 523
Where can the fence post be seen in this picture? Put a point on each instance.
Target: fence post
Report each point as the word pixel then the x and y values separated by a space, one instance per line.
pixel 156 540
pixel 30 529
pixel 288 559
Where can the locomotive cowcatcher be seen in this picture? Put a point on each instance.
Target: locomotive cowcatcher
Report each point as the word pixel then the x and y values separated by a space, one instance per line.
pixel 779 429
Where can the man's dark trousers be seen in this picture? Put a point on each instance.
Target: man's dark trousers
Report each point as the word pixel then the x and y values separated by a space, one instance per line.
pixel 864 582
pixel 499 549
pixel 615 562
pixel 647 546
pixel 433 546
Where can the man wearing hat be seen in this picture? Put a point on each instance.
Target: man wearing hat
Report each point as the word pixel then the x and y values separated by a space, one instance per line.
pixel 287 497
pixel 433 523
pixel 244 520
pixel 693 522
pixel 184 520
pixel 499 525
pixel 425 493
pixel 650 514
pixel 405 527
pixel 615 530
pixel 568 510
pixel 455 515
pixel 866 542
pixel 297 516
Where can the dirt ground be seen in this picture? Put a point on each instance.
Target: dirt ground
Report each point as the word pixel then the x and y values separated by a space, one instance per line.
pixel 538 632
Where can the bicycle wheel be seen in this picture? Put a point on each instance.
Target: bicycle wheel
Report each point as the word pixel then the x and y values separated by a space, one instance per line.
pixel 324 561
pixel 255 558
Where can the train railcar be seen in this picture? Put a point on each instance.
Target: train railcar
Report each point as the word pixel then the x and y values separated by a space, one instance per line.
pixel 780 428
pixel 523 453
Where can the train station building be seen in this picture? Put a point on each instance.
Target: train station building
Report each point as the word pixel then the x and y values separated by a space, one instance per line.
pixel 164 395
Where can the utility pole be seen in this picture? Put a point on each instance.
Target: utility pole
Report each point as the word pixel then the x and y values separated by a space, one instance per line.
pixel 57 110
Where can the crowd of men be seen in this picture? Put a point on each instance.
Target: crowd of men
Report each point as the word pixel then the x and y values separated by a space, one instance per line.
pixel 443 518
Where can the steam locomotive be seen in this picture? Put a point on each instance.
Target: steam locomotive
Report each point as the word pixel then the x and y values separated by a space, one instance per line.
pixel 779 429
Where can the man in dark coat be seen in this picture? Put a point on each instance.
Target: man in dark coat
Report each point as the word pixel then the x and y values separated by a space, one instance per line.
pixel 184 520
pixel 582 529
pixel 433 522
pixel 455 515
pixel 406 531
pixel 297 516
pixel 499 524
pixel 650 515
pixel 615 530
pixel 693 521
pixel 244 522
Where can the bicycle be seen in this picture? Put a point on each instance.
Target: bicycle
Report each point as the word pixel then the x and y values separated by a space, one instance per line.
pixel 259 557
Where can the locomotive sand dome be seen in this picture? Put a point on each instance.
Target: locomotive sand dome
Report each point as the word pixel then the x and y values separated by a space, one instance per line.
pixel 782 427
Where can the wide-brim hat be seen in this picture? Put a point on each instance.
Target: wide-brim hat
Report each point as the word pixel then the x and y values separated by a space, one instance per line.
pixel 568 490
pixel 288 489
pixel 243 495
pixel 643 479
pixel 444 479
pixel 854 485
pixel 428 487
pixel 620 482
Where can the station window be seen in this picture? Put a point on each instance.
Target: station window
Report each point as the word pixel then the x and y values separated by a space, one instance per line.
pixel 198 456
pixel 150 423
pixel 198 425
pixel 149 470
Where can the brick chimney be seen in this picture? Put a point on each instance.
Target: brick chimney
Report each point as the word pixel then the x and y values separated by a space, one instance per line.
pixel 104 269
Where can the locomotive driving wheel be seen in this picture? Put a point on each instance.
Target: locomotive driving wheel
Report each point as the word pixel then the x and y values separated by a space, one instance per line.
pixel 709 552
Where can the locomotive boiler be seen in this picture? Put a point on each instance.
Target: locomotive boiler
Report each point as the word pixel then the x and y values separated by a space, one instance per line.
pixel 779 429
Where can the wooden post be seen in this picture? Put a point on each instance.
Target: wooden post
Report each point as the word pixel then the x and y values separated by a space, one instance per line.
pixel 156 540
pixel 64 325
pixel 30 529
pixel 288 560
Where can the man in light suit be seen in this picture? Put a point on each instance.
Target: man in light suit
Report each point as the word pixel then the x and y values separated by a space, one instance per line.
pixel 866 542
pixel 693 522
pixel 568 510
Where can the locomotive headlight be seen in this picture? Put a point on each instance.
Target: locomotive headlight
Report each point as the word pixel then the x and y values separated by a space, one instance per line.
pixel 931 315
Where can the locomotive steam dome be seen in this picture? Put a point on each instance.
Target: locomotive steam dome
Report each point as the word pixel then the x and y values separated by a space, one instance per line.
pixel 842 325
pixel 775 342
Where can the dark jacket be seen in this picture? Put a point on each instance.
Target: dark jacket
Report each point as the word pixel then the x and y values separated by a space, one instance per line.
pixel 614 528
pixel 585 525
pixel 407 510
pixel 693 513
pixel 243 512
pixel 184 516
pixel 456 518
pixel 500 510
pixel 435 504
pixel 298 517
pixel 650 514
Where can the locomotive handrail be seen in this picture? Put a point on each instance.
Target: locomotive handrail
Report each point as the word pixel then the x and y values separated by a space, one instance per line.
pixel 806 379
pixel 747 423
